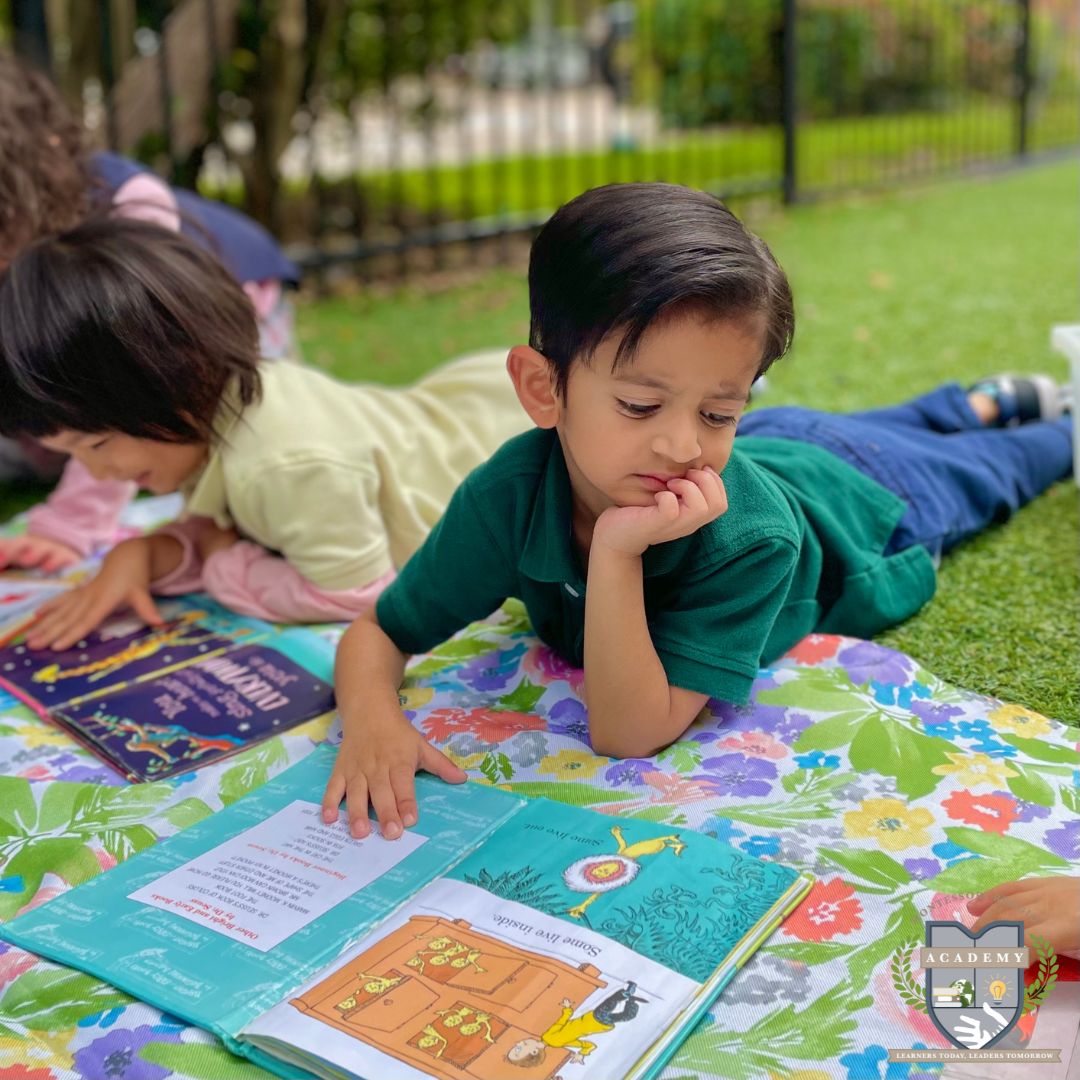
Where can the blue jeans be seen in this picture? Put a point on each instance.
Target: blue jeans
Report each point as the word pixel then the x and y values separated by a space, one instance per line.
pixel 956 475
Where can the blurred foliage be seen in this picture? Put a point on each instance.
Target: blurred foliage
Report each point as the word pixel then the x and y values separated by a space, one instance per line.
pixel 719 61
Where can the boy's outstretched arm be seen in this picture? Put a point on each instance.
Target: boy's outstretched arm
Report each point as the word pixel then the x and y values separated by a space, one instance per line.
pixel 633 711
pixel 380 751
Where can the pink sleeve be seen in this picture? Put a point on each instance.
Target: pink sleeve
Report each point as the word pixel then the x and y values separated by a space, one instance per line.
pixel 81 512
pixel 247 578
pixel 188 575
pixel 145 197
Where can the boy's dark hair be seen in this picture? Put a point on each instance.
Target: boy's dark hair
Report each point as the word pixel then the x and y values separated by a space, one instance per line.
pixel 618 257
pixel 120 325
pixel 45 183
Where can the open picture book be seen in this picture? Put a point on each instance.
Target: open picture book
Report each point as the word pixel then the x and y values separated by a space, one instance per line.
pixel 155 701
pixel 500 937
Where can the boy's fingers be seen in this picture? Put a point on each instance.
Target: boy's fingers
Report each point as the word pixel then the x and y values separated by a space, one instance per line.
pixel 332 796
pixel 384 803
pixel 356 807
pixel 438 764
pixel 403 782
pixel 690 494
pixel 668 504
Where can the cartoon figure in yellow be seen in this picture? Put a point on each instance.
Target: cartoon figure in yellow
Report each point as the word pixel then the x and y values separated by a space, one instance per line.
pixel 597 874
pixel 569 1031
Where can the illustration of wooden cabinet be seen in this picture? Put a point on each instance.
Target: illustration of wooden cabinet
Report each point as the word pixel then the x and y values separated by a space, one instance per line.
pixel 450 1000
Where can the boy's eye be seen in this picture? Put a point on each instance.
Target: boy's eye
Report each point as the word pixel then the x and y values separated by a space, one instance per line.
pixel 99 444
pixel 633 409
pixel 718 419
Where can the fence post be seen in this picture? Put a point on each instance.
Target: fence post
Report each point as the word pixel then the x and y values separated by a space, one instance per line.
pixel 1023 78
pixel 789 103
pixel 31 32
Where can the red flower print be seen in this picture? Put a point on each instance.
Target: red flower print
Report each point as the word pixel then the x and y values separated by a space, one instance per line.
pixel 488 725
pixel 814 647
pixel 831 908
pixel 992 813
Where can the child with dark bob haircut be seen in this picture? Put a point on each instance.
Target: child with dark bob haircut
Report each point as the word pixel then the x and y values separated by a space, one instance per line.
pixel 50 181
pixel 648 544
pixel 132 349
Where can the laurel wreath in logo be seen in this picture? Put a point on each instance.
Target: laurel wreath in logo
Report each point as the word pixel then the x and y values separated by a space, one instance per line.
pixel 913 993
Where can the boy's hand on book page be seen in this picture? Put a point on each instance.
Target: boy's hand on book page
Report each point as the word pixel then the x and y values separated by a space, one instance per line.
pixel 124 579
pixel 31 552
pixel 379 766
pixel 688 503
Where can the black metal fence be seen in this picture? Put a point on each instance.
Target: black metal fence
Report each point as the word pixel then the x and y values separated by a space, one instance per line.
pixel 412 130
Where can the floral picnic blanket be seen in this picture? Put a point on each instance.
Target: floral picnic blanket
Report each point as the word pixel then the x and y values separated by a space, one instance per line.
pixel 898 791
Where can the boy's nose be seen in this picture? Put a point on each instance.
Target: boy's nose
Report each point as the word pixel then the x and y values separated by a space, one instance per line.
pixel 678 443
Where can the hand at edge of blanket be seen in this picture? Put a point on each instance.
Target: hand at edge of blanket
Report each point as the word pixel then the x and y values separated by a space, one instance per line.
pixel 1048 906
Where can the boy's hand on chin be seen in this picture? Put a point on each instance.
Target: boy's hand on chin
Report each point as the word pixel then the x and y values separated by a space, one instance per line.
pixel 379 766
pixel 124 579
pixel 687 505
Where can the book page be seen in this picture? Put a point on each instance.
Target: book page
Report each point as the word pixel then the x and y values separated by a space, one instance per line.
pixel 266 883
pixel 462 983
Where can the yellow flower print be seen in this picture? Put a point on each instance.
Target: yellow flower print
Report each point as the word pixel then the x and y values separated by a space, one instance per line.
pixel 468 762
pixel 1019 721
pixel 42 1050
pixel 414 697
pixel 890 823
pixel 35 735
pixel 571 765
pixel 971 770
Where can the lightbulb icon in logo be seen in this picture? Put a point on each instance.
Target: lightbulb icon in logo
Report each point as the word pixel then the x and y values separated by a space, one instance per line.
pixel 997 989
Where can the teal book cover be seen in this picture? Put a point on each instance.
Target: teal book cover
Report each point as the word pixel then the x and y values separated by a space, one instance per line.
pixel 499 937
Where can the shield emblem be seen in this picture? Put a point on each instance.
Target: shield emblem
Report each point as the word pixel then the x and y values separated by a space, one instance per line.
pixel 975 1006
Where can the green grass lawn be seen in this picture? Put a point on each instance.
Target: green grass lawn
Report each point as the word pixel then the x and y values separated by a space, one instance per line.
pixel 895 293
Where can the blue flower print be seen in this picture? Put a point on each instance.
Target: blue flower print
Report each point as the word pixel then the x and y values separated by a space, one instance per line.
pixel 817 759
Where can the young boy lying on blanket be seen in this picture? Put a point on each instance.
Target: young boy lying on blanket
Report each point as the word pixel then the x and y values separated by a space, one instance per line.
pixel 646 542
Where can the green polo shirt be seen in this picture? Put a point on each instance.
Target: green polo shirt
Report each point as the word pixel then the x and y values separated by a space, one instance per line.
pixel 799 549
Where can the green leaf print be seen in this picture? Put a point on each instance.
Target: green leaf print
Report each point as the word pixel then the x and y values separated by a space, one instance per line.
pixel 816 689
pixel 1006 858
pixel 67 857
pixel 251 770
pixel 831 733
pixel 890 748
pixel 496 767
pixel 202 1061
pixel 568 792
pixel 809 952
pixel 684 756
pixel 1030 786
pixel 903 925
pixel 1042 750
pixel 187 812
pixel 818 1033
pixel 523 698
pixel 54 999
pixel 873 866
pixel 1070 798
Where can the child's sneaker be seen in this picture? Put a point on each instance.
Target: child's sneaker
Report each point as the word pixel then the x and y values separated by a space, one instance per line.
pixel 1023 398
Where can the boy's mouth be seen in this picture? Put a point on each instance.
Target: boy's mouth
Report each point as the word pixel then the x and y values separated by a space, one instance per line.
pixel 655 481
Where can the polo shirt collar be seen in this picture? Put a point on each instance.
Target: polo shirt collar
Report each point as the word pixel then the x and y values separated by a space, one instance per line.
pixel 548 552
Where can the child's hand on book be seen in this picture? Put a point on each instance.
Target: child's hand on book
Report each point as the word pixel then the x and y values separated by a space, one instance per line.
pixel 1049 907
pixel 36 553
pixel 124 579
pixel 378 766
pixel 686 505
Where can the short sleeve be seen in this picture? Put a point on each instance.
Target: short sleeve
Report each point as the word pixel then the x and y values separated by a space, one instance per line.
pixel 459 574
pixel 321 514
pixel 711 636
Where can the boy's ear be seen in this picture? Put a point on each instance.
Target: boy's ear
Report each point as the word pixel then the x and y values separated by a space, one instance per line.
pixel 534 381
